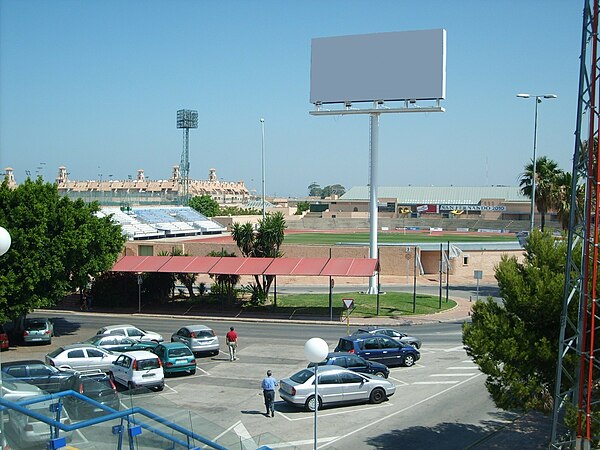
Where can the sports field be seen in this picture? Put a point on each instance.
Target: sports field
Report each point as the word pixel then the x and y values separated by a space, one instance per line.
pixel 392 237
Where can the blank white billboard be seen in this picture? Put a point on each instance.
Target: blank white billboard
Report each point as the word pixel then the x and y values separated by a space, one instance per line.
pixel 402 65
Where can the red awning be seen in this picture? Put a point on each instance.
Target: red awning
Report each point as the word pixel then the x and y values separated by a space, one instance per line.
pixel 347 267
pixel 241 266
pixel 140 263
pixel 350 267
pixel 202 264
pixel 282 266
pixel 177 264
pixel 309 266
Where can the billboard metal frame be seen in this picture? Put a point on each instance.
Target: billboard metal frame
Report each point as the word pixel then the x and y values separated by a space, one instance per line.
pixel 377 109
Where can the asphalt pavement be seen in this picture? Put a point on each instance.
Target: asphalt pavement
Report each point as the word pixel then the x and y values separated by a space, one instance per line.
pixel 528 431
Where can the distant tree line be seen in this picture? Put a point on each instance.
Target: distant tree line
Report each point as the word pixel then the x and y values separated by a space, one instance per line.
pixel 315 190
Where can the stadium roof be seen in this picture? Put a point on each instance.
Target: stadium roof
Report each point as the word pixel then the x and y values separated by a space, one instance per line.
pixel 416 195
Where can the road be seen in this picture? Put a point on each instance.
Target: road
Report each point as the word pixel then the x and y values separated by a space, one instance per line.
pixel 439 403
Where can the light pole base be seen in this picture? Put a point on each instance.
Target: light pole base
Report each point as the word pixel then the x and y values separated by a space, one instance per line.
pixel 372 286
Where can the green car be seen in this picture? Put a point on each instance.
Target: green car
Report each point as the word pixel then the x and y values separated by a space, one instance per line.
pixel 175 357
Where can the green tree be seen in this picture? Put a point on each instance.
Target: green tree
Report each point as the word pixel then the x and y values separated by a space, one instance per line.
pixel 314 190
pixel 57 246
pixel 301 207
pixel 205 205
pixel 265 242
pixel 561 199
pixel 545 177
pixel 514 342
pixel 334 189
pixel 187 279
pixel 225 283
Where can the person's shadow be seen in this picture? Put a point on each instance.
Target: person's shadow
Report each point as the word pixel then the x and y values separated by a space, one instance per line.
pixel 253 412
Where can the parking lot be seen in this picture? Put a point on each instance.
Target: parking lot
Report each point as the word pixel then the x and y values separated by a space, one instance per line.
pixel 223 400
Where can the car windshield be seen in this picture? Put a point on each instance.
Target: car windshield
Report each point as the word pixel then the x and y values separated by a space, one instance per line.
pixel 180 351
pixel 97 383
pixel 302 376
pixel 147 364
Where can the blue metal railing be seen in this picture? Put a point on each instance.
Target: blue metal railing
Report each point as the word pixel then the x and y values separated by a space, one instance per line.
pixel 134 426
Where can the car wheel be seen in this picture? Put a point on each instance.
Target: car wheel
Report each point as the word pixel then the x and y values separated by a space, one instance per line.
pixel 216 353
pixel 160 388
pixel 310 403
pixel 193 372
pixel 409 360
pixel 414 344
pixel 377 396
pixel 379 374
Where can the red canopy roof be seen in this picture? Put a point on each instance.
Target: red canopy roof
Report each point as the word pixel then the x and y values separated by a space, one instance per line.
pixel 140 263
pixel 348 267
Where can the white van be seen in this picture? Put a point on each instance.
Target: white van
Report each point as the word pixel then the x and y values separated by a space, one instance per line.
pixel 137 369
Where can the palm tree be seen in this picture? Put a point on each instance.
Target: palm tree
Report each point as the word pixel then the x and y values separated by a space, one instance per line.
pixel 561 199
pixel 546 172
pixel 265 242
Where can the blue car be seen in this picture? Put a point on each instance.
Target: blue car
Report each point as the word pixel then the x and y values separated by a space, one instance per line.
pixel 379 348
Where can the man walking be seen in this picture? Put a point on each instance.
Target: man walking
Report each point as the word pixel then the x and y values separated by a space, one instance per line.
pixel 231 339
pixel 268 386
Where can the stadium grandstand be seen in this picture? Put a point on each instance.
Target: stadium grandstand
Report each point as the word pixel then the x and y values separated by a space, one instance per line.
pixel 140 223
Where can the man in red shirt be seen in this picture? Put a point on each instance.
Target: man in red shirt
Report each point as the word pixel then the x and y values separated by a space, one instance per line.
pixel 231 339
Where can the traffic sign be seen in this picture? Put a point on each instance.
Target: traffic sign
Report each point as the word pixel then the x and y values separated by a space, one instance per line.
pixel 348 303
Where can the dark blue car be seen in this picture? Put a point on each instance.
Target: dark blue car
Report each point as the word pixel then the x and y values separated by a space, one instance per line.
pixel 354 363
pixel 380 348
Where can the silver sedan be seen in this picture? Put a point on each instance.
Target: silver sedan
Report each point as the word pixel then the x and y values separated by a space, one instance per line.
pixel 336 386
pixel 199 339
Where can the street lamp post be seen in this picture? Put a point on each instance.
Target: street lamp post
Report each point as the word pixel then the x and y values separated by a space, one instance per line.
pixel 316 350
pixel 5 242
pixel 538 99
pixel 262 160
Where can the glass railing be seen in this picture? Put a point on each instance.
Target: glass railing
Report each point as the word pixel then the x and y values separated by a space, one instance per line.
pixel 149 420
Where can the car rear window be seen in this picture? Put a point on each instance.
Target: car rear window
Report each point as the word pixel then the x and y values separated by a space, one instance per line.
pixel 55 353
pixel 204 333
pixel 344 345
pixel 35 325
pixel 180 351
pixel 147 364
pixel 302 376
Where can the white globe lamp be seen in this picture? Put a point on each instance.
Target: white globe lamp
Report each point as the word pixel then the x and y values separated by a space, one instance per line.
pixel 4 241
pixel 316 350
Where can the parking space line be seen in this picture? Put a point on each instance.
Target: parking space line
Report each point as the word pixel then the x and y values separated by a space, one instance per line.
pixel 425 400
pixel 458 348
pixel 310 416
pixel 452 374
pixel 435 382
pixel 471 367
pixel 403 383
pixel 305 442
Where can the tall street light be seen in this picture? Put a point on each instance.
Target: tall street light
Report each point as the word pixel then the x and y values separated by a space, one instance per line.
pixel 315 350
pixel 538 99
pixel 262 159
pixel 5 242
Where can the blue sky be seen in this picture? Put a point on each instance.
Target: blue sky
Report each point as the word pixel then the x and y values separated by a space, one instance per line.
pixel 95 86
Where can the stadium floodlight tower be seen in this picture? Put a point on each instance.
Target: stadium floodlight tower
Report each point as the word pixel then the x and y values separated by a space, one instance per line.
pixel 402 68
pixel 186 119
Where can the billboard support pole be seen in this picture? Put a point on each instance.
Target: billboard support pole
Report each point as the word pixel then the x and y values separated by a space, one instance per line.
pixel 373 183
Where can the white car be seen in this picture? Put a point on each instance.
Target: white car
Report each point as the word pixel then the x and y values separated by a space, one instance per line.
pixel 81 357
pixel 132 332
pixel 138 369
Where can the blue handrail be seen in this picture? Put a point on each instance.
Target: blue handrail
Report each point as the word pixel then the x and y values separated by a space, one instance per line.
pixel 113 414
